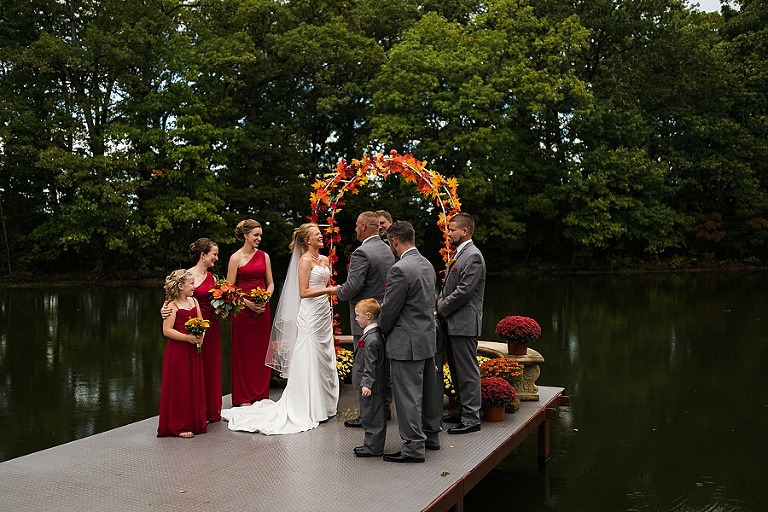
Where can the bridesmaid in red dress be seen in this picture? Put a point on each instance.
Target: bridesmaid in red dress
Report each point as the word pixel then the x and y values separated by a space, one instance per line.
pixel 205 253
pixel 182 392
pixel 250 268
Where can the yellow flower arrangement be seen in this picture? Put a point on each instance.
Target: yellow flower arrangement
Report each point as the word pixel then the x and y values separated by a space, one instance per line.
pixel 259 295
pixel 448 381
pixel 196 327
pixel 344 362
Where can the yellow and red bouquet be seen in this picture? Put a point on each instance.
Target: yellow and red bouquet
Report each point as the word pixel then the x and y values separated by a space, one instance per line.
pixel 259 295
pixel 196 327
pixel 225 297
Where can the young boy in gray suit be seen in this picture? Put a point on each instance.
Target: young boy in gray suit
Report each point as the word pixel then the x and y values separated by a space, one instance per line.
pixel 370 375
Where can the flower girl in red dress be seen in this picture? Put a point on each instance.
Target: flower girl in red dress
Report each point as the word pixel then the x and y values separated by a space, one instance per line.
pixel 182 392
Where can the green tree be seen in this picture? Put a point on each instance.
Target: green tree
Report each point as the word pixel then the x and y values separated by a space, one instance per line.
pixel 491 103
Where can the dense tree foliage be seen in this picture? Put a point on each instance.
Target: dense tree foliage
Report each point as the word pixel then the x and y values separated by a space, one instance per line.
pixel 584 133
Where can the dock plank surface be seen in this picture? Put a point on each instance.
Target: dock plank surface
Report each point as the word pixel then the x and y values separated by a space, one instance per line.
pixel 129 469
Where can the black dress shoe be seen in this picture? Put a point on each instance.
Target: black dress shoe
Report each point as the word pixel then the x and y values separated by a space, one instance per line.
pixel 432 446
pixel 451 418
pixel 461 428
pixel 360 452
pixel 355 423
pixel 399 457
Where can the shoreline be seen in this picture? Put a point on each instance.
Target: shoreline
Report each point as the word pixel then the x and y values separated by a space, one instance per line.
pixel 60 280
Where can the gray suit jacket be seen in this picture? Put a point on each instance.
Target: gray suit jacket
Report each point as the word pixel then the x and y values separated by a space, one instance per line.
pixel 368 267
pixel 407 315
pixel 372 369
pixel 461 301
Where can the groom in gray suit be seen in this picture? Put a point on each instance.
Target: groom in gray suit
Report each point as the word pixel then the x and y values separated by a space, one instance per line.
pixel 367 272
pixel 461 305
pixel 407 320
pixel 368 268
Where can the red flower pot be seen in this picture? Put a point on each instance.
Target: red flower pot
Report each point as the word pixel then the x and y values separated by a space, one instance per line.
pixel 517 348
pixel 493 413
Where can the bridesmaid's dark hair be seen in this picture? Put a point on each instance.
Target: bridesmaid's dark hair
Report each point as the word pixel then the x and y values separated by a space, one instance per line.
pixel 200 246
pixel 244 227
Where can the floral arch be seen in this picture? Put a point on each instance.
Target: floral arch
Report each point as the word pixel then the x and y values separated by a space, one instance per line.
pixel 350 176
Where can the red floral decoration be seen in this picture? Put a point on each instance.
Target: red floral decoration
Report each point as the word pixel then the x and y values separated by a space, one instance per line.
pixel 497 391
pixel 518 328
pixel 326 199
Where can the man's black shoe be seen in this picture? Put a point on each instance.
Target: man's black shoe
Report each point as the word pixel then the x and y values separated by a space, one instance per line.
pixel 399 457
pixel 355 423
pixel 360 452
pixel 451 418
pixel 461 428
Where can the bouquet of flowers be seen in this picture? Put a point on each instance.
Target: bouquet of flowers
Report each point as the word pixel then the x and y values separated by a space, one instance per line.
pixel 503 367
pixel 225 298
pixel 496 391
pixel 196 327
pixel 448 381
pixel 344 362
pixel 259 295
pixel 518 329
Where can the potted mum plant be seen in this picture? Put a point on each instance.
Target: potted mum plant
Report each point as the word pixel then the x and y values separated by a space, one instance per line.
pixel 518 331
pixel 496 394
pixel 508 369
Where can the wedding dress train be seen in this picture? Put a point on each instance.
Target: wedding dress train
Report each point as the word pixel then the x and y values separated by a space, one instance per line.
pixel 312 392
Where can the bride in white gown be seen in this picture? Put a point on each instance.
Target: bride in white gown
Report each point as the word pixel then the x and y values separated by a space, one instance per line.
pixel 301 347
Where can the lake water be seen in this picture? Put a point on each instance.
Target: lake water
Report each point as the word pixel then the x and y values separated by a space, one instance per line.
pixel 665 373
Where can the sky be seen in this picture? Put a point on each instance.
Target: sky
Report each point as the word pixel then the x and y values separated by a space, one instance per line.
pixel 707 5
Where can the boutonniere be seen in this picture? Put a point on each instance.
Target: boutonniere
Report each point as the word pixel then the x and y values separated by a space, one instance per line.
pixel 454 269
pixel 360 344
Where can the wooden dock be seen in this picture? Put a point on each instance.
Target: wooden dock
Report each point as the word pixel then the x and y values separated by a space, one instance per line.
pixel 129 469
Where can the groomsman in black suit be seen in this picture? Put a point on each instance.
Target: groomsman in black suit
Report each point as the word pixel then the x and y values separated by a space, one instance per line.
pixel 461 305
pixel 407 320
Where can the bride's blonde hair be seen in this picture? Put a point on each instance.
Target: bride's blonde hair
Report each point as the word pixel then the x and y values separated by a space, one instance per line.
pixel 301 235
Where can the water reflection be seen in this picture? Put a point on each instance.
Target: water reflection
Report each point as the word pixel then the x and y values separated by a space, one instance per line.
pixel 665 373
pixel 74 362
pixel 665 376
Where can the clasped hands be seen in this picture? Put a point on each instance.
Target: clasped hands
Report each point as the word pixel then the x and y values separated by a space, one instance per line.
pixel 257 307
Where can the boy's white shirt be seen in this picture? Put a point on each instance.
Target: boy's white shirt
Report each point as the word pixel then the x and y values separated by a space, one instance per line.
pixel 369 327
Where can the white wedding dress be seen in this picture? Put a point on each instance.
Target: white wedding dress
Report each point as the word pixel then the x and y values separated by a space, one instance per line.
pixel 312 392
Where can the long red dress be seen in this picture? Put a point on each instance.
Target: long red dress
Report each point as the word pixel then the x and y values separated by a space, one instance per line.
pixel 211 351
pixel 250 338
pixel 182 392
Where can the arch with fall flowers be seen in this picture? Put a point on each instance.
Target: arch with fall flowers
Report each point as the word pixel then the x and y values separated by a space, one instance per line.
pixel 350 176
